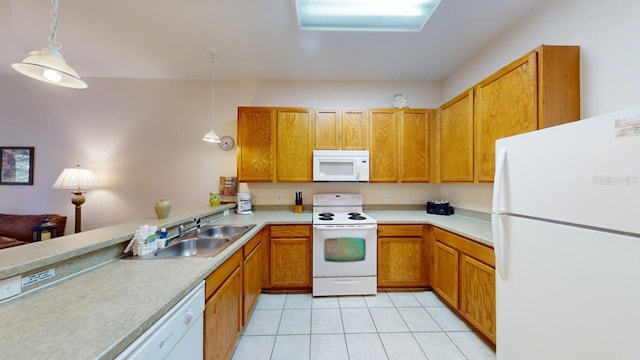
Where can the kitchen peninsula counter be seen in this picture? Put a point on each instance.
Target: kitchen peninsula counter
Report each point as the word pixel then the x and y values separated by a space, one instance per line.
pixel 97 313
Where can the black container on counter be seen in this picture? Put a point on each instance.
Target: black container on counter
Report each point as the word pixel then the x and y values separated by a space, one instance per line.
pixel 439 207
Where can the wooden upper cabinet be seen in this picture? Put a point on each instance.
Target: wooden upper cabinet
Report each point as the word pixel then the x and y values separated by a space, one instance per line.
pixel 341 129
pixel 327 126
pixel 294 149
pixel 383 156
pixel 415 128
pixel 256 145
pixel 456 139
pixel 506 105
pixel 355 135
pixel 539 90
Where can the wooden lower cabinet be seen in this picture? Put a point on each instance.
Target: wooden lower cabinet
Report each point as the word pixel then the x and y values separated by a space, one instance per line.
pixel 445 273
pixel 223 309
pixel 402 256
pixel 252 273
pixel 464 277
pixel 290 257
pixel 477 295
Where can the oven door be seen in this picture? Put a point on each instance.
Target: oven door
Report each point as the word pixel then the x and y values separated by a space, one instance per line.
pixel 344 250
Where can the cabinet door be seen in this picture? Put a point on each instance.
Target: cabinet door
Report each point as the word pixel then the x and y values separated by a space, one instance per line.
pixel 294 145
pixel 290 263
pixel 401 262
pixel 445 273
pixel 414 145
pixel 327 129
pixel 341 129
pixel 456 139
pixel 383 156
pixel 478 295
pixel 252 280
pixel 506 104
pixel 354 130
pixel 256 145
pixel 223 318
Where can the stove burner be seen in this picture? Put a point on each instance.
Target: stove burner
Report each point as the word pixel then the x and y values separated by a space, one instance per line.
pixel 357 217
pixel 325 218
pixel 354 214
pixel 326 214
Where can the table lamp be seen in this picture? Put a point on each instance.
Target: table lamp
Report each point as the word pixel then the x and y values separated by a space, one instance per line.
pixel 76 178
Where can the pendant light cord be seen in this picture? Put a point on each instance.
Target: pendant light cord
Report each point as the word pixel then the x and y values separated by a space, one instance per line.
pixel 53 38
pixel 212 97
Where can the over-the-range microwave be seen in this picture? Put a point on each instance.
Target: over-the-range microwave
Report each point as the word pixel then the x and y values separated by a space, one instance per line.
pixel 341 165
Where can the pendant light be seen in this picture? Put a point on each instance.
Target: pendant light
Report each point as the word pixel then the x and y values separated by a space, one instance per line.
pixel 47 64
pixel 211 136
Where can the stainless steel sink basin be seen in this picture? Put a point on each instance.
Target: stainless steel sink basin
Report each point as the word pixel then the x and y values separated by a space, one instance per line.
pixel 208 242
pixel 224 231
pixel 194 247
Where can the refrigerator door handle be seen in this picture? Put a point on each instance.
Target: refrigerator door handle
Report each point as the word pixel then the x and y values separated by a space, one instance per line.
pixel 501 159
pixel 499 246
pixel 497 226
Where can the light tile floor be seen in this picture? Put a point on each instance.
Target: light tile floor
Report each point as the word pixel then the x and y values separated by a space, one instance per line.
pixel 389 325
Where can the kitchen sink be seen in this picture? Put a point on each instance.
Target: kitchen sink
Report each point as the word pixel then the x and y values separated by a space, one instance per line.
pixel 194 247
pixel 207 242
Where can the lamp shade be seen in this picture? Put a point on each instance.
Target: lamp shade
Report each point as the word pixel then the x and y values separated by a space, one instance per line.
pixel 211 137
pixel 49 66
pixel 75 178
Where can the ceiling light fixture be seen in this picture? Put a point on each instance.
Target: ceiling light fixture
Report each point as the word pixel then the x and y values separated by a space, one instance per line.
pixel 47 64
pixel 211 136
pixel 364 15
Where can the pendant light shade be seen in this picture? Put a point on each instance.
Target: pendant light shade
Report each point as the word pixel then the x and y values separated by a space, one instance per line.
pixel 211 136
pixel 47 64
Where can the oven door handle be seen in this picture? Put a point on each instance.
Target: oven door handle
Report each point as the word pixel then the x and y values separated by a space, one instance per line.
pixel 341 227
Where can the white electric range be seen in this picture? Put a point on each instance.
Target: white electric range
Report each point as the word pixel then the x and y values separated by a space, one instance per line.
pixel 344 246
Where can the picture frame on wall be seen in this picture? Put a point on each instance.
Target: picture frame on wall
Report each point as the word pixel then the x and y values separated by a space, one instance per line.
pixel 16 165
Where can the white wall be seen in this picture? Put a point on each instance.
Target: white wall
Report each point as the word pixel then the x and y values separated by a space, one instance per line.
pixel 607 32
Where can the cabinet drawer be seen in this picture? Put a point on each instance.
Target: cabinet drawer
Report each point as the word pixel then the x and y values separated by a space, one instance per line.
pixel 220 274
pixel 400 230
pixel 278 231
pixel 476 250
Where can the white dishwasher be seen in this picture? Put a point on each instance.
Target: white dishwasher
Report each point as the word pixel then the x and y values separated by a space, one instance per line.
pixel 177 335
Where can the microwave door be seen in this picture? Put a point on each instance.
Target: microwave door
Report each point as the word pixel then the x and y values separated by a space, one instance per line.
pixel 336 169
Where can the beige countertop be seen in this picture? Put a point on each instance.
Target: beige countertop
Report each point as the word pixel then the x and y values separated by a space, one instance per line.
pixel 97 313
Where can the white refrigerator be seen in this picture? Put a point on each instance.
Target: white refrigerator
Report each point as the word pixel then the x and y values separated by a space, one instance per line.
pixel 566 232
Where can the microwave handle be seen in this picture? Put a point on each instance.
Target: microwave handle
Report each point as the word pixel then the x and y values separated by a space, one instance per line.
pixel 358 173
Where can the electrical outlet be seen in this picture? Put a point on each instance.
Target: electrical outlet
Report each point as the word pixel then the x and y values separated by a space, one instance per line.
pixel 387 197
pixel 278 197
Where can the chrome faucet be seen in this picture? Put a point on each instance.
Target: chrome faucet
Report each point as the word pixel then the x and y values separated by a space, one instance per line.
pixel 182 230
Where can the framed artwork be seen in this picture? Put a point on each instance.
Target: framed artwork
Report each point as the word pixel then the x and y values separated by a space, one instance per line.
pixel 17 165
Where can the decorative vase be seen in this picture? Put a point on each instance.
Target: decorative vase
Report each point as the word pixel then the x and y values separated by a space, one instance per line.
pixel 162 208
